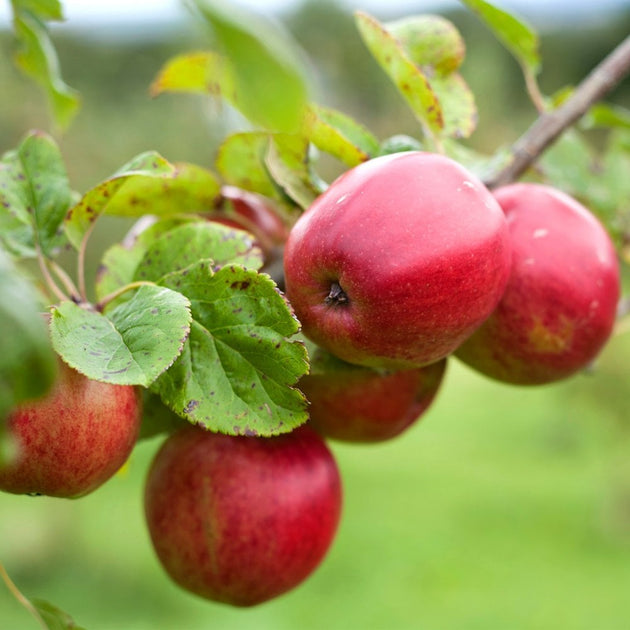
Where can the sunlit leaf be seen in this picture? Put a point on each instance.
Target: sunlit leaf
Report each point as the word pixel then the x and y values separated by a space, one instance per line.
pixel 408 78
pixel 240 162
pixel 198 73
pixel 515 34
pixel 184 188
pixel 268 75
pixel 102 198
pixel 287 161
pixel 340 135
pixel 458 105
pixel 37 58
pixel 431 41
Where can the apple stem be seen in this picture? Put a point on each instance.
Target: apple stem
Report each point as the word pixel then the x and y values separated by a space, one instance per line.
pixel 15 591
pixel 337 295
pixel 114 294
pixel 550 125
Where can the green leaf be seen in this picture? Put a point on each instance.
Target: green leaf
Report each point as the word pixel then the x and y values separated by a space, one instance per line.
pixel 399 143
pixel 603 115
pixel 609 195
pixel 132 344
pixel 120 261
pixel 27 361
pixel 37 58
pixel 569 164
pixel 340 135
pixel 411 82
pixel 435 46
pixel 55 618
pixel 102 198
pixel 265 62
pixel 34 196
pixel 430 41
pixel 189 243
pixel 43 9
pixel 197 73
pixel 458 105
pixel 186 188
pixel 516 35
pixel 288 163
pixel 240 162
pixel 238 369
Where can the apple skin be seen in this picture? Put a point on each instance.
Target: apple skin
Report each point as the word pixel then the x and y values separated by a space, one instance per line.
pixel 358 404
pixel 398 262
pixel 238 519
pixel 73 439
pixel 559 307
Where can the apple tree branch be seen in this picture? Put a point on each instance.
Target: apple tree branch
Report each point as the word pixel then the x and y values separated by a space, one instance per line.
pixel 550 125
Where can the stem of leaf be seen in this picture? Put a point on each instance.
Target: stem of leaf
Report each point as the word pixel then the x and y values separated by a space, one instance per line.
pixel 24 601
pixel 551 124
pixel 534 91
pixel 65 280
pixel 81 263
pixel 114 294
pixel 52 285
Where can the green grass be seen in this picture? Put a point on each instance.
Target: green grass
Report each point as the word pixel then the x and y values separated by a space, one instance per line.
pixel 499 511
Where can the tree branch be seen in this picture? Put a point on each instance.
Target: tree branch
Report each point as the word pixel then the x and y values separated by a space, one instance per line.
pixel 550 125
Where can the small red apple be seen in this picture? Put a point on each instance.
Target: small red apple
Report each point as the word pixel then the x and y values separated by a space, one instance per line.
pixel 73 439
pixel 241 520
pixel 559 306
pixel 359 404
pixel 398 262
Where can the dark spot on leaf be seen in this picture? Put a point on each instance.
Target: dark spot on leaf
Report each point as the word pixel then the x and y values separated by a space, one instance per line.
pixel 155 311
pixel 191 406
pixel 240 285
pixel 251 432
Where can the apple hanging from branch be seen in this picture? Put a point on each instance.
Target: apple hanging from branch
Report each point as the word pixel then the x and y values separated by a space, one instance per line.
pixel 241 520
pixel 398 262
pixel 559 307
pixel 72 440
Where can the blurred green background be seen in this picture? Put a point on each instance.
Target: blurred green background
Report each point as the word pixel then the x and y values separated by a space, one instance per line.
pixel 505 509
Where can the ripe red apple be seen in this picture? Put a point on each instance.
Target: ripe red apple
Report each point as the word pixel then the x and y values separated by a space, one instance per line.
pixel 559 306
pixel 241 520
pixel 398 262
pixel 359 404
pixel 73 439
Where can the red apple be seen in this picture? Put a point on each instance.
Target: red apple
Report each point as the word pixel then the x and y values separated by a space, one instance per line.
pixel 241 520
pixel 359 404
pixel 398 262
pixel 559 307
pixel 73 439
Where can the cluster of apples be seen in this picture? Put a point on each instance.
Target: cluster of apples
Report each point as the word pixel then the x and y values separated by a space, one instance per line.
pixel 404 261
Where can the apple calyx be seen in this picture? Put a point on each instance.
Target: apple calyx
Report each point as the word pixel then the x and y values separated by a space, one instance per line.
pixel 337 296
